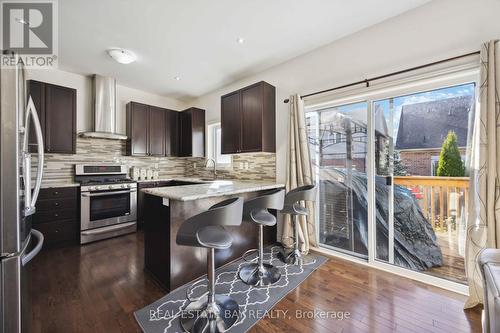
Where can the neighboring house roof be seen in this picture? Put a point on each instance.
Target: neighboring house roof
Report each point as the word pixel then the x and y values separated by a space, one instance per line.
pixel 425 125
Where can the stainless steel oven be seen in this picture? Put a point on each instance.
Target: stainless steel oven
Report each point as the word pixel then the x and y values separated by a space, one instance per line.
pixel 108 202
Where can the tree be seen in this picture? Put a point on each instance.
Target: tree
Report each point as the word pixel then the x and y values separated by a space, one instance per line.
pixel 450 162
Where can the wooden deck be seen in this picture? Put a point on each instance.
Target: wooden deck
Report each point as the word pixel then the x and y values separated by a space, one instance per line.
pixel 97 287
pixel 453 263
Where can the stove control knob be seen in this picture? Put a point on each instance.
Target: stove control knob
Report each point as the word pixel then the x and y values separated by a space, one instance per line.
pixel 123 186
pixel 129 186
pixel 92 188
pixel 97 188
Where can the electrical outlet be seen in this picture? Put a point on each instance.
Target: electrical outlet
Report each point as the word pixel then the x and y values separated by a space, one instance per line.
pixel 241 165
pixel 194 165
pixel 156 165
pixel 246 165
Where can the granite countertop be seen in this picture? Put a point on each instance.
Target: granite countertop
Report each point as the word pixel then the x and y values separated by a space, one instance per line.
pixel 210 189
pixel 59 184
pixel 185 179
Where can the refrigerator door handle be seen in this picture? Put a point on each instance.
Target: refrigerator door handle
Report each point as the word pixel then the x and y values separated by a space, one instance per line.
pixel 26 258
pixel 31 198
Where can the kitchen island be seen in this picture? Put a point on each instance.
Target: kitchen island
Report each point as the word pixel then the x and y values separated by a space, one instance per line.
pixel 166 208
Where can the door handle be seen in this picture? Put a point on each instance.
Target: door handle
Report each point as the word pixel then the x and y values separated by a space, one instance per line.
pixel 105 193
pixel 26 258
pixel 31 198
pixel 388 180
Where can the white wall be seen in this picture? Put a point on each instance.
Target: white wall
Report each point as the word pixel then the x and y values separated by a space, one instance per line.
pixel 83 85
pixel 438 30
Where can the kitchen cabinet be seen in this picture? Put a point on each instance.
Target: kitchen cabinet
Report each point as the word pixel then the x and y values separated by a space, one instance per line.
pixel 157 124
pixel 56 107
pixel 172 133
pixel 151 130
pixel 248 119
pixel 192 133
pixel 56 216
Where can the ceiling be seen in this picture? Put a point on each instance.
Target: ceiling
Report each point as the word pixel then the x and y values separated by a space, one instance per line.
pixel 197 39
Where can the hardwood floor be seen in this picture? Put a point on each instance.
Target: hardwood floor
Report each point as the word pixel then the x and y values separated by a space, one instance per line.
pixel 453 267
pixel 97 287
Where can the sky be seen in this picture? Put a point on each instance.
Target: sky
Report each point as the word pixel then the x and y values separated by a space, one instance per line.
pixel 400 101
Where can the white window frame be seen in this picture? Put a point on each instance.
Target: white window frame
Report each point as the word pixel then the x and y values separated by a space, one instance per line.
pixel 416 83
pixel 227 160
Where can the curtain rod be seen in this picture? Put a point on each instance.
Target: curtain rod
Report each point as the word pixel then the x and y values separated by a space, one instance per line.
pixel 367 81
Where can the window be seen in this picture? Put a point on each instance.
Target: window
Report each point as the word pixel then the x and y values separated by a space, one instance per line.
pixel 214 146
pixel 375 152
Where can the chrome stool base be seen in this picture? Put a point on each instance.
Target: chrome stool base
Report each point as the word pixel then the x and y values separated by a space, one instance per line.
pixel 257 276
pixel 294 257
pixel 203 317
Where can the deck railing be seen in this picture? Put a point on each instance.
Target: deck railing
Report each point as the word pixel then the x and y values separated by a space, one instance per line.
pixel 444 200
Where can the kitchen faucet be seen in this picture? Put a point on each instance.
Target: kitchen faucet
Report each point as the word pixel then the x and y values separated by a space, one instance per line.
pixel 215 166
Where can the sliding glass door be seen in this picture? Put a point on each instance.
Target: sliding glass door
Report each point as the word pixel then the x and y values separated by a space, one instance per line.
pixel 338 143
pixel 385 192
pixel 421 187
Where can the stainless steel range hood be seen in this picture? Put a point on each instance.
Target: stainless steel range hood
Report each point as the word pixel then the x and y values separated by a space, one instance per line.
pixel 104 109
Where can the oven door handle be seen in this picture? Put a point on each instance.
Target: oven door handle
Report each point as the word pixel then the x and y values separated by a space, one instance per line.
pixel 102 194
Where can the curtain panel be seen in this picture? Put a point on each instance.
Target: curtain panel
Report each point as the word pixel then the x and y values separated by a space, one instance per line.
pixel 299 173
pixel 483 223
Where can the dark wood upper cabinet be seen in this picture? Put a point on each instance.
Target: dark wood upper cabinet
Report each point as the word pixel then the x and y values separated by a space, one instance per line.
pixel 172 133
pixel 137 129
pixel 153 131
pixel 56 107
pixel 157 131
pixel 248 119
pixel 231 135
pixel 192 132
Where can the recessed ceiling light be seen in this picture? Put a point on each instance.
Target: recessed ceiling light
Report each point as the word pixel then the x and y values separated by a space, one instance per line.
pixel 177 78
pixel 240 40
pixel 122 56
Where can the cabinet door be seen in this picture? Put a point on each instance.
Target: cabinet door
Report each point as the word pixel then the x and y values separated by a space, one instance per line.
pixel 60 119
pixel 138 129
pixel 171 137
pixel 198 132
pixel 251 117
pixel 37 92
pixel 156 131
pixel 186 139
pixel 231 123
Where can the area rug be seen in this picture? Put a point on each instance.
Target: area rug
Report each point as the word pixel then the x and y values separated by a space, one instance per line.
pixel 163 315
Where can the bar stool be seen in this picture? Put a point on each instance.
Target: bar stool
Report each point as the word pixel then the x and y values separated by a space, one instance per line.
pixel 259 273
pixel 211 312
pixel 295 209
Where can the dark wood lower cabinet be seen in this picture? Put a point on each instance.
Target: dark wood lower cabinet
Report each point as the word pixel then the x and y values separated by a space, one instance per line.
pixel 57 216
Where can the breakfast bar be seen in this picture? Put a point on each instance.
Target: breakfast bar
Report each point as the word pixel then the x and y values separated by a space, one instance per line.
pixel 166 208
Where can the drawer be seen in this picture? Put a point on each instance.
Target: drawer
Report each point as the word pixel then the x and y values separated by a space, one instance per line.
pixel 58 232
pixel 58 192
pixel 54 215
pixel 54 204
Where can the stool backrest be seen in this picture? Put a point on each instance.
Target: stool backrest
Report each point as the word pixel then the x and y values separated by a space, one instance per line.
pixel 273 199
pixel 225 213
pixel 306 193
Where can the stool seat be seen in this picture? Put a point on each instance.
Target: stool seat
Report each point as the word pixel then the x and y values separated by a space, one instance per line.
pixel 214 236
pixel 263 217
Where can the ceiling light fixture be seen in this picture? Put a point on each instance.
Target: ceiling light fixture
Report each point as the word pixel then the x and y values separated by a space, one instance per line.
pixel 240 40
pixel 177 78
pixel 122 56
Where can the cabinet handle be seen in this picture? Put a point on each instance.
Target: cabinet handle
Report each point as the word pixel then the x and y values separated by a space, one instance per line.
pixel 56 204
pixel 56 193
pixel 56 215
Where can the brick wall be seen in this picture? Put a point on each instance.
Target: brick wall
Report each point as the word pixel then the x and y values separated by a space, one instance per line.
pixel 418 162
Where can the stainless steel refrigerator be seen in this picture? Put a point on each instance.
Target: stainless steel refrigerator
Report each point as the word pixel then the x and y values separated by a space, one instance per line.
pixel 19 243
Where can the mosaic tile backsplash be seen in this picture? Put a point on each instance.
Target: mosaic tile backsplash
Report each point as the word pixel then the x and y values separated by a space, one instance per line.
pixel 59 168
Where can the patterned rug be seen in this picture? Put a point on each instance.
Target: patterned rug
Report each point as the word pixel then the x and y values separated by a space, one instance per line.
pixel 162 316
